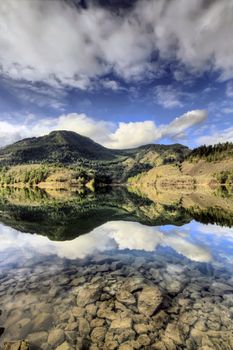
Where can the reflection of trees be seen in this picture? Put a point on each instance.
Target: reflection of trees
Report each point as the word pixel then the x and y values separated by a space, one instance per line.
pixel 65 215
pixel 70 215
pixel 212 215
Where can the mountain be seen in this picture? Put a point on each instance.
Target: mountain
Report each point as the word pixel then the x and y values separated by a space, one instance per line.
pixel 59 146
pixel 67 147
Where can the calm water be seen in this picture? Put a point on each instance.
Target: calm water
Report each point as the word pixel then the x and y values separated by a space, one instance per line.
pixel 115 271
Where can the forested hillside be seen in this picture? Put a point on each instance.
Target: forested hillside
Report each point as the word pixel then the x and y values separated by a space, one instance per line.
pixel 211 153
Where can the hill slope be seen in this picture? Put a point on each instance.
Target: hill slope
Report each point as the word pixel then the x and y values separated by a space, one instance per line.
pixel 58 146
pixel 67 147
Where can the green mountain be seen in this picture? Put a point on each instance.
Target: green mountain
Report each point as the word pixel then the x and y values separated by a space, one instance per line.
pixel 67 147
pixel 59 146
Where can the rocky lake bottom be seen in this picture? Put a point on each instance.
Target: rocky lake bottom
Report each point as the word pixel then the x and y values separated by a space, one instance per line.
pixel 120 285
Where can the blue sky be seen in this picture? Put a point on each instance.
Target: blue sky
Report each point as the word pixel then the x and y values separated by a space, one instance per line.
pixel 124 73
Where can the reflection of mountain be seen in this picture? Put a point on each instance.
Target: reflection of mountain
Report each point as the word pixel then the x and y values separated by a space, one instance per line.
pixel 66 215
pixel 204 207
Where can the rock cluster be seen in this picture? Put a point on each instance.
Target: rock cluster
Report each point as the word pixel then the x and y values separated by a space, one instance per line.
pixel 119 302
pixel 16 345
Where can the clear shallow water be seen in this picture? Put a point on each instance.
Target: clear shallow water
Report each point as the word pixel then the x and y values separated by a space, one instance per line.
pixel 122 285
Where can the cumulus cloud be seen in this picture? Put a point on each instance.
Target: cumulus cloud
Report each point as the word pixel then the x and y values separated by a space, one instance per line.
pixel 55 42
pixel 112 135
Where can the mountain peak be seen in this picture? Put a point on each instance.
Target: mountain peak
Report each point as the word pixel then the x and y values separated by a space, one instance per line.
pixel 61 146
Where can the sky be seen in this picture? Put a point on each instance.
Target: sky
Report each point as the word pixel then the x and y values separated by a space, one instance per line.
pixel 123 72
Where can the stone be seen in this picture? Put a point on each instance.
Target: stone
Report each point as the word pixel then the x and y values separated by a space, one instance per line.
pixel 119 323
pixel 125 297
pixel 98 334
pixel 78 311
pixel 220 288
pixel 173 332
pixel 42 322
pixel 200 325
pixel 144 340
pixel 126 346
pixel 197 335
pixel 175 269
pixel 97 322
pixel 78 280
pixel 123 335
pixel 133 284
pixel 71 336
pixel 174 286
pixel 16 345
pixel 141 328
pixel 188 318
pixel 149 300
pixel 73 326
pixel 23 327
pixel 56 337
pixel 88 294
pixel 160 318
pixel 155 274
pixel 170 345
pixel 107 313
pixel 65 346
pixel 91 309
pixel 83 327
pixel 37 338
pixel 110 345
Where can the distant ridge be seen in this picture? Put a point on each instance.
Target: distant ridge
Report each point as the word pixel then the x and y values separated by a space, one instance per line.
pixel 68 147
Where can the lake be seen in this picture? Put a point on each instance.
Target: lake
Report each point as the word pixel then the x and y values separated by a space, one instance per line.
pixel 116 270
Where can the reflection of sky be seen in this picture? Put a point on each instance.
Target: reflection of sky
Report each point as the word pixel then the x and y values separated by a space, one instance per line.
pixel 195 241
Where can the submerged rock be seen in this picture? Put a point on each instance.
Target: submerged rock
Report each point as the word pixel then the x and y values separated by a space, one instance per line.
pixel 88 294
pixel 125 297
pixel 149 300
pixel 121 324
pixel 65 346
pixel 37 338
pixel 16 345
pixel 56 337
pixel 98 334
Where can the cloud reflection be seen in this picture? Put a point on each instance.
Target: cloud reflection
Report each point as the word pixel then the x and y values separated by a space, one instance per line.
pixel 112 235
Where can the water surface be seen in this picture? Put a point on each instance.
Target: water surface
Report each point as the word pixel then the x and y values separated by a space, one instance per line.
pixel 115 270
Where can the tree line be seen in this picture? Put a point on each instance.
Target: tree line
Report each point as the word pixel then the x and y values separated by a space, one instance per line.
pixel 211 153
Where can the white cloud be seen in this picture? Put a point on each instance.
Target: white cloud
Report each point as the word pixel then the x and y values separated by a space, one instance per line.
pixel 228 110
pixel 111 84
pixel 216 137
pixel 220 232
pixel 168 96
pixel 52 41
pixel 185 121
pixel 134 134
pixel 121 135
pixel 42 96
pixel 229 89
pixel 111 235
